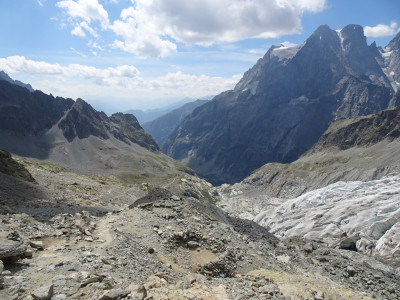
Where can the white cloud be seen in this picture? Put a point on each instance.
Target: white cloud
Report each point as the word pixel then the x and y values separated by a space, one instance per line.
pixel 153 28
pixel 87 10
pixel 145 26
pixel 121 85
pixel 78 31
pixel 381 30
pixel 19 64
pixel 140 36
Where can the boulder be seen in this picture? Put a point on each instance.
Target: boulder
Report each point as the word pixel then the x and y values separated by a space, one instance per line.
pixel 11 245
pixel 43 293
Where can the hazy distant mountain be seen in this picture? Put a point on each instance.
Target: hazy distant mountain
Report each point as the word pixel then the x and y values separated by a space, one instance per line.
pixel 285 102
pixel 4 76
pixel 152 114
pixel 163 126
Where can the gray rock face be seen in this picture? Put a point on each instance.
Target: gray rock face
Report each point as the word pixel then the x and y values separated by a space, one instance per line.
pixel 389 59
pixel 83 121
pixel 43 293
pixel 282 105
pixel 26 113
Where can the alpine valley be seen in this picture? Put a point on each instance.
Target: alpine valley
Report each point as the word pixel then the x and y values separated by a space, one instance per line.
pixel 286 187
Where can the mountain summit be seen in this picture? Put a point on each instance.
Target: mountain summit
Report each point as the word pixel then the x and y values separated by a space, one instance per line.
pixel 285 102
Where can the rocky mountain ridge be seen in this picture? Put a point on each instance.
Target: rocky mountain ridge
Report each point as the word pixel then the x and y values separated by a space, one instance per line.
pixel 4 76
pixel 81 139
pixel 82 121
pixel 284 103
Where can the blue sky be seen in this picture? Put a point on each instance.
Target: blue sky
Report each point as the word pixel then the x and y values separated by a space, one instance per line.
pixel 124 54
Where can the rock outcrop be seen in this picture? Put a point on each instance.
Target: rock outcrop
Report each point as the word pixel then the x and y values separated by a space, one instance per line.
pixel 10 167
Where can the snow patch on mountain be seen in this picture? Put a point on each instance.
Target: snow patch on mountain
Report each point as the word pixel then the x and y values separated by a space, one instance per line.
pixel 286 52
pixel 339 33
pixel 360 215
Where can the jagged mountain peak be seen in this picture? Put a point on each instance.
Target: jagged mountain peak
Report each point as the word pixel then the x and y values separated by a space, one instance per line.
pixel 6 77
pixel 394 44
pixel 354 33
pixel 82 121
pixel 283 104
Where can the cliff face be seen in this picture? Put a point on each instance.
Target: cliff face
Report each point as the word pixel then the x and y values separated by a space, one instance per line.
pixel 29 113
pixel 283 105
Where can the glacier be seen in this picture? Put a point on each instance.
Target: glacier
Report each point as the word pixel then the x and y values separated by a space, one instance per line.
pixel 362 216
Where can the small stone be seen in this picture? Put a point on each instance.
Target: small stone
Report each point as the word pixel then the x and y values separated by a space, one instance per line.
pixel 138 292
pixel 43 293
pixel 28 254
pixel 36 244
pixel 105 260
pixel 175 198
pixel 59 297
pixel 319 295
pixel 115 294
pixel 351 271
pixel 193 244
pixel 97 278
pixel 13 290
pixel 154 282
pixel 308 248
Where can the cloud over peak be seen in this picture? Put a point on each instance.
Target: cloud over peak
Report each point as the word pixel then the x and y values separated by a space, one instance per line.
pixel 381 30
pixel 154 28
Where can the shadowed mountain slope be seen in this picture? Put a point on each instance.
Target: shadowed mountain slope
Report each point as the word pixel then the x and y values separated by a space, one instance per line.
pixel 163 126
pixel 284 104
pixel 79 138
